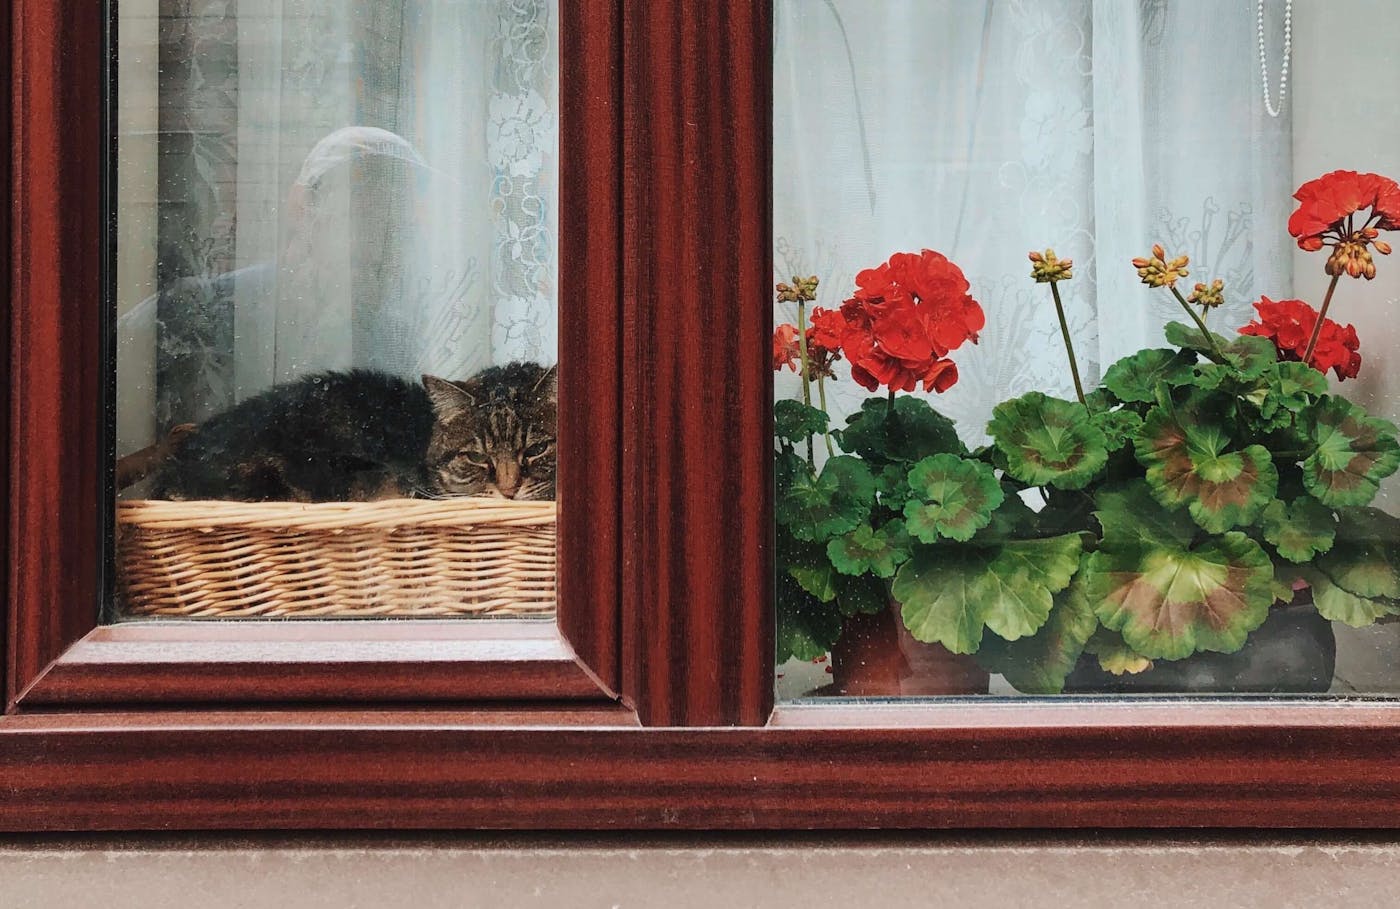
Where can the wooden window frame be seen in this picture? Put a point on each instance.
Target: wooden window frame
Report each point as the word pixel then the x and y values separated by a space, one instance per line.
pixel 650 704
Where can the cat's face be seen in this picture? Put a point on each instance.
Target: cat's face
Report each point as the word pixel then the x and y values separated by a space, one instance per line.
pixel 494 433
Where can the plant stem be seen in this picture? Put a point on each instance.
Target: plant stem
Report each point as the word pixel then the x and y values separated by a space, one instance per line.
pixel 821 395
pixel 1317 329
pixel 889 409
pixel 806 380
pixel 1210 338
pixel 1069 345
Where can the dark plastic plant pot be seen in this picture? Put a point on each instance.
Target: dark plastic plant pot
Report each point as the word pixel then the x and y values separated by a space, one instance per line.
pixel 1293 652
pixel 876 656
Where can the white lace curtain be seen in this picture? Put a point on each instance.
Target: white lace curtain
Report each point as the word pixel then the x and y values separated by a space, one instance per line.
pixel 346 183
pixel 987 128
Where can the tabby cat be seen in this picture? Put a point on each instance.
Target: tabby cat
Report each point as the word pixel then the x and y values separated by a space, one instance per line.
pixel 363 435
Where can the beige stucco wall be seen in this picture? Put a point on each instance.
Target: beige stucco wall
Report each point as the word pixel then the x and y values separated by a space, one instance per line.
pixel 868 871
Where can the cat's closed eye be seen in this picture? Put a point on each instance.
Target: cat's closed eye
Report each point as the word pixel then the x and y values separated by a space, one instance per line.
pixel 474 458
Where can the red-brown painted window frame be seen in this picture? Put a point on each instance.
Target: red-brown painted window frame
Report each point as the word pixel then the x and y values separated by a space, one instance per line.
pixel 58 655
pixel 651 704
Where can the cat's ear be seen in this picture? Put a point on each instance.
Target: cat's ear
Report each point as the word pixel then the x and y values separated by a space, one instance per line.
pixel 449 399
pixel 548 385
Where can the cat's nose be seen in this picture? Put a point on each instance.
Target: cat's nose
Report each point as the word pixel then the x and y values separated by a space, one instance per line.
pixel 508 478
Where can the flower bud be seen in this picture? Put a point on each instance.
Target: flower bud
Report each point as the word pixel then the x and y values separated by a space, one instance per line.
pixel 1157 271
pixel 1208 296
pixel 1047 268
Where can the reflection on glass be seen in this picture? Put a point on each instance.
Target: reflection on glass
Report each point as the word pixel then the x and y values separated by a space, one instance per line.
pixel 1084 344
pixel 336 284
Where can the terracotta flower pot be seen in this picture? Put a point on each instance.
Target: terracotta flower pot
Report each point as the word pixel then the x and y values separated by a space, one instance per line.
pixel 877 657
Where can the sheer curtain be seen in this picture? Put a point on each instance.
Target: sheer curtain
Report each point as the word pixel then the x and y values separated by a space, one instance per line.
pixel 987 128
pixel 345 183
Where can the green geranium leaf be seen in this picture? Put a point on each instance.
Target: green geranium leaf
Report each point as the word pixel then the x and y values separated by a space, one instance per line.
pixel 807 564
pixel 1040 663
pixel 817 508
pixel 806 627
pixel 892 483
pixel 1299 530
pixel 1048 441
pixel 817 578
pixel 917 430
pixel 1114 654
pixel 1191 338
pixel 1338 604
pixel 1365 559
pixel 794 421
pixel 1150 526
pixel 1167 597
pixel 1012 518
pixel 867 550
pixel 1119 427
pixel 950 593
pixel 861 595
pixel 1250 356
pixel 952 497
pixel 1184 452
pixel 1286 390
pixel 787 466
pixel 1100 400
pixel 806 632
pixel 1354 452
pixel 1136 377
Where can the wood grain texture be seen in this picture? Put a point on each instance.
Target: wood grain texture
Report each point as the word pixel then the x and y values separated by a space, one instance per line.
pixel 697 391
pixel 364 662
pixel 1084 765
pixel 8 210
pixel 56 654
pixel 53 539
pixel 590 332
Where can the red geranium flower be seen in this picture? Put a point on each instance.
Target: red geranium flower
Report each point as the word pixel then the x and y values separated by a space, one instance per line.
pixel 785 350
pixel 1290 323
pixel 827 328
pixel 823 344
pixel 904 318
pixel 1326 216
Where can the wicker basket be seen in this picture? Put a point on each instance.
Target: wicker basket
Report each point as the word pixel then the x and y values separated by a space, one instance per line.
pixel 401 557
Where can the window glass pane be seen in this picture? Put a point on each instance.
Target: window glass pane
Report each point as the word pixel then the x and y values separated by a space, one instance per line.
pixel 335 307
pixel 1041 474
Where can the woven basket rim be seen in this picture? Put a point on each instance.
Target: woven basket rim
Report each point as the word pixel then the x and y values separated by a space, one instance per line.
pixel 158 514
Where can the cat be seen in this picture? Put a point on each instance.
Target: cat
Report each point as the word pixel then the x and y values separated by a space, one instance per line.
pixel 362 436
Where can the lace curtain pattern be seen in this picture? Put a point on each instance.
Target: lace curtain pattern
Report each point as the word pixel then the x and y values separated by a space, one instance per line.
pixel 986 129
pixel 355 183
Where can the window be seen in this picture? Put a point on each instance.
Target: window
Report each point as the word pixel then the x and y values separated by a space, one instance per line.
pixel 649 702
pixel 1071 486
pixel 335 299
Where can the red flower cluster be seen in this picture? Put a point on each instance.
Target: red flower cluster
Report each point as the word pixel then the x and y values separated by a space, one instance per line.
pixel 898 328
pixel 1326 216
pixel 823 344
pixel 1289 324
pixel 904 319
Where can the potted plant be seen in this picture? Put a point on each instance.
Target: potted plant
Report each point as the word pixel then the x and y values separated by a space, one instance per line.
pixel 1202 491
pixel 840 505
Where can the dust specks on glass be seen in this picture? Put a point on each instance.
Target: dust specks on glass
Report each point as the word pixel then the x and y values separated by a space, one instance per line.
pixel 335 308
pixel 1084 342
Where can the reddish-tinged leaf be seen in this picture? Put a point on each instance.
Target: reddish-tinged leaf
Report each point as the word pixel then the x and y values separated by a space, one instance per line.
pixel 1168 597
pixel 1353 453
pixel 1184 451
